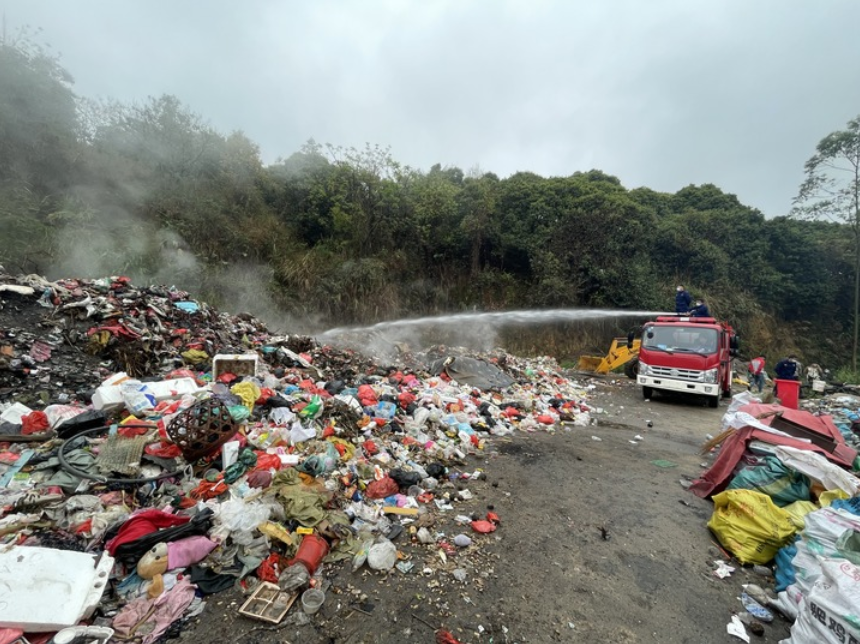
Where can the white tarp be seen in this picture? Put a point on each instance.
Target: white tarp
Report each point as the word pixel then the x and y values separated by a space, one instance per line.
pixel 818 468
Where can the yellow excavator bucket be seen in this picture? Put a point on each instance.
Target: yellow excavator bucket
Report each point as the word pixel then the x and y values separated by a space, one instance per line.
pixel 618 356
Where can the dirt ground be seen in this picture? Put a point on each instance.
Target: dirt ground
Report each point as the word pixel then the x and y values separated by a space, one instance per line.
pixel 597 543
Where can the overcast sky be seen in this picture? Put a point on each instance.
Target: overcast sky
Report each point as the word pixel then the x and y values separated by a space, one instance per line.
pixel 661 93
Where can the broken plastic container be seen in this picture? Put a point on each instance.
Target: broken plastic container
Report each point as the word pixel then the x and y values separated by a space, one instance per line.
pixel 312 600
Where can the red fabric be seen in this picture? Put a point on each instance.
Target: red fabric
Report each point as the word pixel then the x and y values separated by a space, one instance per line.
pixel 208 490
pixel 267 461
pixel 35 422
pixel 260 479
pixel 163 450
pixel 270 569
pixel 142 524
pixel 720 473
pixel 133 430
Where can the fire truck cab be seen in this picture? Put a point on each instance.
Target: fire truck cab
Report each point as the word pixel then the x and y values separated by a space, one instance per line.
pixel 688 355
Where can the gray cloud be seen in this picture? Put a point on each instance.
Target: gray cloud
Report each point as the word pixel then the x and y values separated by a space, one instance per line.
pixel 661 93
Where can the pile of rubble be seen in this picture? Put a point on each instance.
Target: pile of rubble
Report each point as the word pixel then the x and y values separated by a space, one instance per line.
pixel 155 451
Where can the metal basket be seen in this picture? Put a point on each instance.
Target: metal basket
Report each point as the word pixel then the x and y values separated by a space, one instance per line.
pixel 200 430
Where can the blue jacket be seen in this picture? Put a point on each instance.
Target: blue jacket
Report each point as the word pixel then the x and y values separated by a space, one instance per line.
pixel 682 302
pixel 700 311
pixel 786 369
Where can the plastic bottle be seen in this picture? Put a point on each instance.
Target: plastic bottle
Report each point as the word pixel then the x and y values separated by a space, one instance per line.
pixel 755 609
pixel 313 408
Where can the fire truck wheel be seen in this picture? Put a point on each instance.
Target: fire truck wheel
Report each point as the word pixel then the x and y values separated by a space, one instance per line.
pixel 713 402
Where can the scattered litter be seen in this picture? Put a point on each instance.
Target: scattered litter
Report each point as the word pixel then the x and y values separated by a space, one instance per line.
pixel 723 569
pixel 736 628
pixel 664 464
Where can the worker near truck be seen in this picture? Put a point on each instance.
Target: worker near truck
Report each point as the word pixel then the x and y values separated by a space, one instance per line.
pixel 682 300
pixel 756 373
pixel 787 368
pixel 700 310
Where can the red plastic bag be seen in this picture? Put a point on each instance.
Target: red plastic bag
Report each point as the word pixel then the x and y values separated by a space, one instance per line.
pixel 35 422
pixel 483 527
pixel 366 396
pixel 163 450
pixel 265 394
pixel 445 637
pixel 386 486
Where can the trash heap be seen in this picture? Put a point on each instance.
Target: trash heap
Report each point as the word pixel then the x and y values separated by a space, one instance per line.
pixel 787 502
pixel 154 451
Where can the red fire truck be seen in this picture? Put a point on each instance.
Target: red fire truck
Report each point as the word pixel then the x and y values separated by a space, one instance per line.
pixel 688 355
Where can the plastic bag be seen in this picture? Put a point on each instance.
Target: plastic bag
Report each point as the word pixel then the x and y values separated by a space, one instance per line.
pixel 137 397
pixel 798 511
pixel 749 525
pixel 361 556
pixel 300 433
pixel 382 555
pixel 848 546
pixel 828 614
pixel 818 468
pixel 822 532
pixel 319 464
pixel 779 482
pixel 238 520
pixel 282 416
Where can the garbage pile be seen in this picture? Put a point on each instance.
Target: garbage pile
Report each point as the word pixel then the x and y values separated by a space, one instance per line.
pixel 785 496
pixel 154 451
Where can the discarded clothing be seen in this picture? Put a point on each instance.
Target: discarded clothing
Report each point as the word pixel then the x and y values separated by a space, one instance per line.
pixel 149 618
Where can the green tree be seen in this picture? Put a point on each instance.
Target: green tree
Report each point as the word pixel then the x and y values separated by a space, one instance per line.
pixel 831 190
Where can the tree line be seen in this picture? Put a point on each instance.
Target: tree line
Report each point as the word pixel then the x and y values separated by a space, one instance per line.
pixel 352 236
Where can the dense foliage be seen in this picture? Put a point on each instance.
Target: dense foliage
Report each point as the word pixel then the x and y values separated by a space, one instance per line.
pixel 345 235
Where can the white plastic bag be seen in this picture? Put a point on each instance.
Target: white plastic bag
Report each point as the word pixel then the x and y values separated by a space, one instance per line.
pixel 828 613
pixel 816 467
pixel 282 416
pixel 300 433
pixel 822 531
pixel 238 520
pixel 382 555
pixel 137 397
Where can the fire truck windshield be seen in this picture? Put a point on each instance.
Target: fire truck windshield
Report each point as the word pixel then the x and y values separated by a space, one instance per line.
pixel 692 339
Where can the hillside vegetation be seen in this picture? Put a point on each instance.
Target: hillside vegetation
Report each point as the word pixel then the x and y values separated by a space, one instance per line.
pixel 351 236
